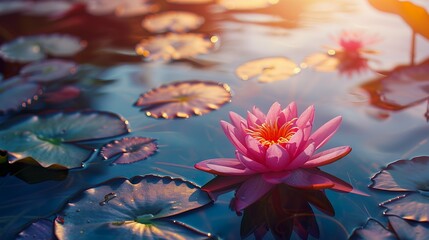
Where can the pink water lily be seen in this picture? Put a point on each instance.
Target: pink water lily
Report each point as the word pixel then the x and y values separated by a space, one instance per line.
pixel 275 148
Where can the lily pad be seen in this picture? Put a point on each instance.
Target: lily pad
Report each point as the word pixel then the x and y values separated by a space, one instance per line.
pixel 33 48
pixel 52 139
pixel 48 7
pixel 121 8
pixel 412 206
pixel 184 99
pixel 15 93
pixel 268 69
pixel 323 62
pixel 129 150
pixel 372 230
pixel 48 70
pixel 139 208
pixel 409 229
pixel 246 4
pixel 174 46
pixel 172 21
pixel 42 229
pixel 61 95
pixel 8 7
pixel 396 176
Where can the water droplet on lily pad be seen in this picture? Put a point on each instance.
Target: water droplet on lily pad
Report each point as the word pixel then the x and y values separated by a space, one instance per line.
pixel 148 217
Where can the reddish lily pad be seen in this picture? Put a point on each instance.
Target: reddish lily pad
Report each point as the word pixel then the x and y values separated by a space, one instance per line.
pixel 268 69
pixel 184 99
pixel 372 230
pixel 33 48
pixel 52 140
pixel 129 150
pixel 174 46
pixel 42 229
pixel 48 70
pixel 61 95
pixel 172 21
pixel 140 207
pixel 402 87
pixel 15 93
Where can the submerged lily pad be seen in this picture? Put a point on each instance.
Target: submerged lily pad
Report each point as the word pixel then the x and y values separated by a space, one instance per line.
pixel 174 46
pixel 184 99
pixel 246 4
pixel 48 70
pixel 268 69
pixel 33 48
pixel 42 229
pixel 406 176
pixel 52 139
pixel 16 93
pixel 139 208
pixel 172 21
pixel 129 149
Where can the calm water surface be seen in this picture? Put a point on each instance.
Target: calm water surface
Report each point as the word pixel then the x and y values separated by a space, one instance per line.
pixel 377 136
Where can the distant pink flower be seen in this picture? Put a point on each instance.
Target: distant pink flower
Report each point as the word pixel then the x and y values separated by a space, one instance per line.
pixel 354 41
pixel 277 148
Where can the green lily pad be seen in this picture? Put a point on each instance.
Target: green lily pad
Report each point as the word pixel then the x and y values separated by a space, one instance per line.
pixel 136 208
pixel 48 70
pixel 52 139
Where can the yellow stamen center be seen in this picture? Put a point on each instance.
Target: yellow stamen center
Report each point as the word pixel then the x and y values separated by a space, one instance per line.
pixel 270 133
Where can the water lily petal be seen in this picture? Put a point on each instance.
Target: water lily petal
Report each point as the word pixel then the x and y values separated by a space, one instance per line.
pixel 251 164
pixel 250 191
pixel 295 142
pixel 273 113
pixel 230 132
pixel 300 178
pixel 224 166
pixel 277 158
pixel 259 114
pixel 254 149
pixel 303 157
pixel 236 119
pixel 306 117
pixel 253 121
pixel 327 156
pixel 325 132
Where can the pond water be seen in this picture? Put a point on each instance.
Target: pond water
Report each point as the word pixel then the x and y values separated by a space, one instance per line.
pixel 383 119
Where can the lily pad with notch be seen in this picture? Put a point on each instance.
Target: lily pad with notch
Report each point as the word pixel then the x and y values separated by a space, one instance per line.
pixel 396 177
pixel 184 99
pixel 140 207
pixel 268 69
pixel 53 140
pixel 129 149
